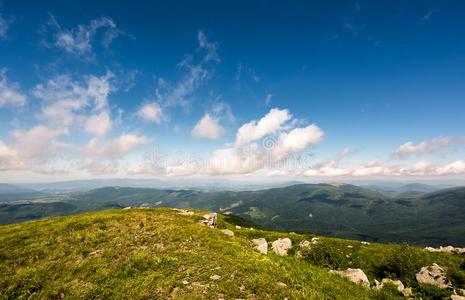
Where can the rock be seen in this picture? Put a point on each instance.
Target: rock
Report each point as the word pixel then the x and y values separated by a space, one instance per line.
pixel 127 207
pixel 238 227
pixel 215 277
pixel 407 292
pixel 355 275
pixel 315 240
pixel 185 282
pixel 261 245
pixel 184 212
pixel 227 232
pixel 457 297
pixel 350 246
pixel 209 220
pixel 281 284
pixel 364 243
pixel 304 244
pixel 281 246
pixel 447 249
pixel 434 275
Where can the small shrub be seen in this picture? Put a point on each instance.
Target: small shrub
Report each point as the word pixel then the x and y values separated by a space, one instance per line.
pixel 326 255
pixel 432 292
pixel 403 263
pixel 456 277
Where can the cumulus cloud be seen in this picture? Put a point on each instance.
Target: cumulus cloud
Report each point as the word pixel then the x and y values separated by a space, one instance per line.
pixel 151 112
pixel 100 167
pixel 79 41
pixel 98 124
pixel 118 147
pixel 247 156
pixel 427 146
pixel 208 127
pixel 454 168
pixel 10 93
pixel 269 124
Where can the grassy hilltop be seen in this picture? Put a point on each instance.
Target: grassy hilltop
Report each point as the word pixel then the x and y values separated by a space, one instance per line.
pixel 159 254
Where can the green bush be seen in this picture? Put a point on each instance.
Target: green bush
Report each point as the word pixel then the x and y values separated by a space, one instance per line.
pixel 432 292
pixel 326 255
pixel 456 277
pixel 403 263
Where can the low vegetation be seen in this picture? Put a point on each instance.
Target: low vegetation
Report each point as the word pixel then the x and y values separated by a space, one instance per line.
pixel 160 254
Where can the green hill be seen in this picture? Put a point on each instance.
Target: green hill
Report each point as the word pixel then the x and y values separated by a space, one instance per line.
pixel 341 210
pixel 160 254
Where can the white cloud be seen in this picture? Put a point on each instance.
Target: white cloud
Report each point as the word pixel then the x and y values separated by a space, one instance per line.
pixel 247 156
pixel 210 48
pixel 40 143
pixel 151 112
pixel 66 102
pixel 269 124
pixel 9 158
pixel 98 124
pixel 118 147
pixel 4 26
pixel 427 146
pixel 208 128
pixel 100 167
pixel 79 40
pixel 454 168
pixel 10 93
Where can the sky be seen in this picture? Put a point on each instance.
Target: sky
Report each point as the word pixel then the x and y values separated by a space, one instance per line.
pixel 308 90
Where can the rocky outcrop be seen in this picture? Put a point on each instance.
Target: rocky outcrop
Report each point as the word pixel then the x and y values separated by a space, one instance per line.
pixel 210 220
pixel 227 232
pixel 281 246
pixel 261 245
pixel 447 249
pixel 407 292
pixel 434 275
pixel 355 275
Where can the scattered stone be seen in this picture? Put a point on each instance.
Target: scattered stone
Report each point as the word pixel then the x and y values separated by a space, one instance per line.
pixel 407 292
pixel 227 232
pixel 457 297
pixel 447 249
pixel 185 282
pixel 281 284
pixel 128 207
pixel 183 212
pixel 215 277
pixel 350 246
pixel 355 275
pixel 238 227
pixel 364 243
pixel 261 245
pixel 282 246
pixel 304 244
pixel 242 288
pixel 434 275
pixel 315 240
pixel 209 220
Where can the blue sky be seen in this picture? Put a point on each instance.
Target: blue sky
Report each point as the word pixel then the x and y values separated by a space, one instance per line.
pixel 319 90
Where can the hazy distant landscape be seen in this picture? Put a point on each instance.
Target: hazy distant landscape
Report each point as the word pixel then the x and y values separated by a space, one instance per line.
pixel 429 215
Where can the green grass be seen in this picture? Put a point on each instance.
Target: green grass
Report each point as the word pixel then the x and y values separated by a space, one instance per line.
pixel 158 254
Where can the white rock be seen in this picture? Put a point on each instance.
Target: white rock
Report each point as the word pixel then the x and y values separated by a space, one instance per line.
pixel 227 232
pixel 210 220
pixel 127 207
pixel 238 227
pixel 364 243
pixel 434 275
pixel 261 245
pixel 407 292
pixel 183 212
pixel 215 277
pixel 457 297
pixel 355 275
pixel 281 246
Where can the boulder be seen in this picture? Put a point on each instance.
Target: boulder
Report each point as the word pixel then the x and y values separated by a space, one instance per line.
pixel 457 297
pixel 281 246
pixel 407 292
pixel 261 245
pixel 355 275
pixel 227 232
pixel 209 220
pixel 447 249
pixel 434 275
pixel 364 243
